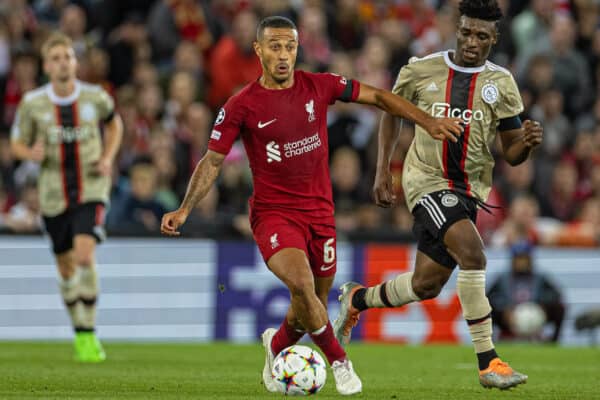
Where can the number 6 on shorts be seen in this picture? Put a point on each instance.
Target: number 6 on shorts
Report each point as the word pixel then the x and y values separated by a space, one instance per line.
pixel 329 251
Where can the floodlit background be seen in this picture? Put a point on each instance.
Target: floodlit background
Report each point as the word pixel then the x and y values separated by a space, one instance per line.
pixel 206 297
pixel 170 65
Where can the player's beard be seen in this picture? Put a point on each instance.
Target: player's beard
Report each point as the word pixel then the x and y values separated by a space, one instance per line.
pixel 281 78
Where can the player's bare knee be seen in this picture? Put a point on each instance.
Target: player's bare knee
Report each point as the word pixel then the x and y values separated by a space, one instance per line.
pixel 65 264
pixel 83 250
pixel 301 285
pixel 66 271
pixel 426 288
pixel 84 258
pixel 472 259
pixel 425 292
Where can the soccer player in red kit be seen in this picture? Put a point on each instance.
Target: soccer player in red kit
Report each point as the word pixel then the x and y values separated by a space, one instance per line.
pixel 282 120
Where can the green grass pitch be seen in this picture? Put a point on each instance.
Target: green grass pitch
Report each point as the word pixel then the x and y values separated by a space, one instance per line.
pixel 31 370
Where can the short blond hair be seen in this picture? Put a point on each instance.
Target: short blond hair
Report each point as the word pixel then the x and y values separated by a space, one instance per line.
pixel 55 39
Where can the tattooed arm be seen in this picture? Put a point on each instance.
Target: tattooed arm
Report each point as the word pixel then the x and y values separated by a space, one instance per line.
pixel 202 179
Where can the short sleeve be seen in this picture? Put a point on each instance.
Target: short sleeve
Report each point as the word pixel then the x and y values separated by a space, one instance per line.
pixel 338 87
pixel 510 103
pixel 106 106
pixel 405 85
pixel 227 126
pixel 23 125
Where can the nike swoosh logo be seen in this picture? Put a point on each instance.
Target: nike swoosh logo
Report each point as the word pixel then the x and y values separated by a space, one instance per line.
pixel 324 268
pixel 261 125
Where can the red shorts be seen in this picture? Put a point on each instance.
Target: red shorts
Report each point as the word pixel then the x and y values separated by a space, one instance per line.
pixel 274 231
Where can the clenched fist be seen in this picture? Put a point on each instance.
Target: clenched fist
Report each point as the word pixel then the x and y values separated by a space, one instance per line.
pixel 172 221
pixel 533 133
pixel 383 190
pixel 444 128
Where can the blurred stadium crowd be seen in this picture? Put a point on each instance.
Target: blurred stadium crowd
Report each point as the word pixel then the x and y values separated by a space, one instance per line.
pixel 170 64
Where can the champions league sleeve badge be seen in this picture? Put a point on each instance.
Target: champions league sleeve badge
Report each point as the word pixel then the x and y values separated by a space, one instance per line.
pixel 220 116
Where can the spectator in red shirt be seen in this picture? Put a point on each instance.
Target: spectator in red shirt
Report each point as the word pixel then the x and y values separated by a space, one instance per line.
pixel 584 231
pixel 417 14
pixel 182 91
pixel 560 201
pixel 138 130
pixel 316 49
pixel 233 62
pixel 192 135
pixel 23 77
pixel 73 23
pixel 172 21
pixel 373 12
pixel 521 223
pixel 583 156
pixel 93 68
pixel 346 28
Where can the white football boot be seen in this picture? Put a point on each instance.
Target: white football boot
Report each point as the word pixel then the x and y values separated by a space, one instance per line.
pixel 267 375
pixel 346 380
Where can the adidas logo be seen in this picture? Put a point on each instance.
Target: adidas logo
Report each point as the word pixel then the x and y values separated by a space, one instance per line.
pixel 273 153
pixel 432 87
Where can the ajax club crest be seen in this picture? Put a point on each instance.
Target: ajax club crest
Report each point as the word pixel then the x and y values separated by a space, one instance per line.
pixel 489 93
pixel 449 200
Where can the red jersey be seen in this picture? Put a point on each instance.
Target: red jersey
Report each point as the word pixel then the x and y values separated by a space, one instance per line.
pixel 285 135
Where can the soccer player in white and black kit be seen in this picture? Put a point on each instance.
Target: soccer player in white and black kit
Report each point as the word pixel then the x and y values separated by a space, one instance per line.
pixel 58 125
pixel 446 182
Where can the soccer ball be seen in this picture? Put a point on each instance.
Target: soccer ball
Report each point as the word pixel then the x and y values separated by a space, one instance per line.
pixel 299 371
pixel 528 319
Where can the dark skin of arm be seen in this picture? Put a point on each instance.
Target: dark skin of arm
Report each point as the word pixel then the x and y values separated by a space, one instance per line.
pixel 517 145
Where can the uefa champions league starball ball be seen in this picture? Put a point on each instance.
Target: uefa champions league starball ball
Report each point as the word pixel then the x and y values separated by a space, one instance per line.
pixel 299 371
pixel 528 319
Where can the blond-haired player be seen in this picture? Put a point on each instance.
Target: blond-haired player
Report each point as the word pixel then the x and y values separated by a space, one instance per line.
pixel 59 126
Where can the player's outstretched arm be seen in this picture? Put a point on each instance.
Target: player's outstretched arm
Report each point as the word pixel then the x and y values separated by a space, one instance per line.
pixel 518 143
pixel 438 128
pixel 389 132
pixel 202 179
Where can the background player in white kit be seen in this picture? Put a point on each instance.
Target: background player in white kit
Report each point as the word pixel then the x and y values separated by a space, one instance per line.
pixel 58 125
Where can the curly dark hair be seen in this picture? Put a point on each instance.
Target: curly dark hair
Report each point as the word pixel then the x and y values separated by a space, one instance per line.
pixel 487 10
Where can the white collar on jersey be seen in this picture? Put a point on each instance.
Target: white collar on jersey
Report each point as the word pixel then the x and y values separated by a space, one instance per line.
pixel 63 101
pixel 468 70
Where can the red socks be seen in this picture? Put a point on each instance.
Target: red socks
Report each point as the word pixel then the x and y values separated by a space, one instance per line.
pixel 285 336
pixel 328 344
